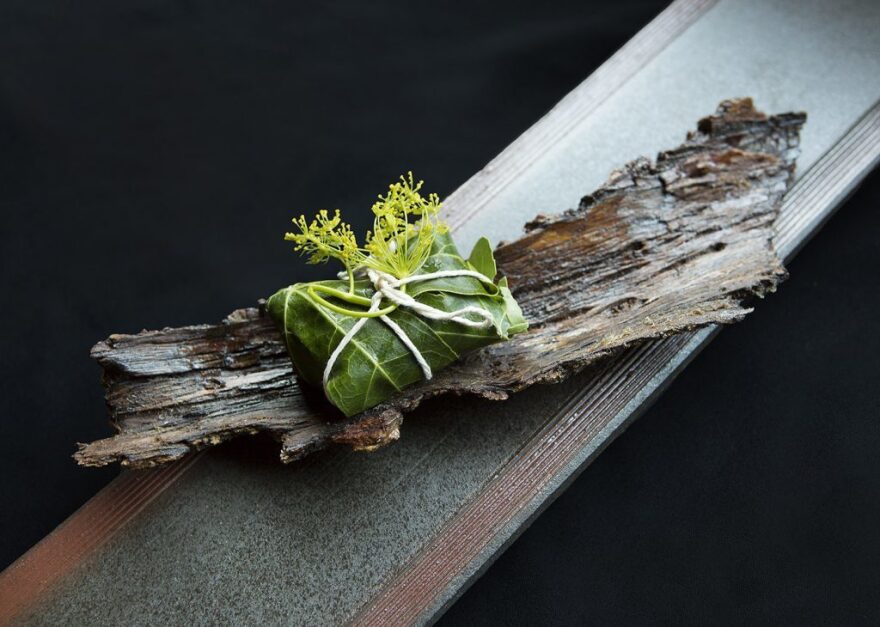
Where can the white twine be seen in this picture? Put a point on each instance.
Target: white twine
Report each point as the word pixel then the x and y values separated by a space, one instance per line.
pixel 386 286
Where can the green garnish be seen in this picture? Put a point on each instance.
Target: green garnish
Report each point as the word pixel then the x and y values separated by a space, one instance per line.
pixel 409 304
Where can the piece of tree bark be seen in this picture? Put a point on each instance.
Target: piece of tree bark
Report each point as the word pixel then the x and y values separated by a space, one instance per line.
pixel 660 248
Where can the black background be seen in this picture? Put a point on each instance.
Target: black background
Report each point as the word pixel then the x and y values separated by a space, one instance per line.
pixel 153 153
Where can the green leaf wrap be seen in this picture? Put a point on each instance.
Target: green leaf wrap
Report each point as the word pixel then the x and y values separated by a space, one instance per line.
pixel 376 365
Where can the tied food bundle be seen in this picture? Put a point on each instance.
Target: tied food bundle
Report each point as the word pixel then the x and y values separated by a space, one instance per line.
pixel 406 304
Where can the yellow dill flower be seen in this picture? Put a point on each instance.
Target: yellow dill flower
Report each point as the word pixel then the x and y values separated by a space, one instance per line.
pixel 324 237
pixel 404 226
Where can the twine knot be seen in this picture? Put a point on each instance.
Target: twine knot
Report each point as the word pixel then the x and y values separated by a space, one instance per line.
pixel 388 287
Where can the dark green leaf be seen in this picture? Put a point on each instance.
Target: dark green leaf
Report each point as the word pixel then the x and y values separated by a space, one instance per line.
pixel 482 259
pixel 376 365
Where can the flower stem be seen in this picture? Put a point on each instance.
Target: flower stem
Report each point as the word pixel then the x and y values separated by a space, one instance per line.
pixel 351 298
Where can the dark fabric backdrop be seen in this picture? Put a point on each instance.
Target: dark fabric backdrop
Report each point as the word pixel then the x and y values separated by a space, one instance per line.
pixel 153 153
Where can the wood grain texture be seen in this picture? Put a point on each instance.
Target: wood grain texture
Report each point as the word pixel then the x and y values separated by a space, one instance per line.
pixel 660 248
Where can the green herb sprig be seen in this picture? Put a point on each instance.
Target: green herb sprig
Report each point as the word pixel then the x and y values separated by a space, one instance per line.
pixel 405 224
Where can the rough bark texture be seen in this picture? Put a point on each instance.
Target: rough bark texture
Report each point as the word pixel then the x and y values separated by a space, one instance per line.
pixel 659 248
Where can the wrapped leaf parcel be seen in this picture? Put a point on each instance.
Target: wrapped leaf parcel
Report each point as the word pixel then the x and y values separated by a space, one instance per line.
pixel 407 304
